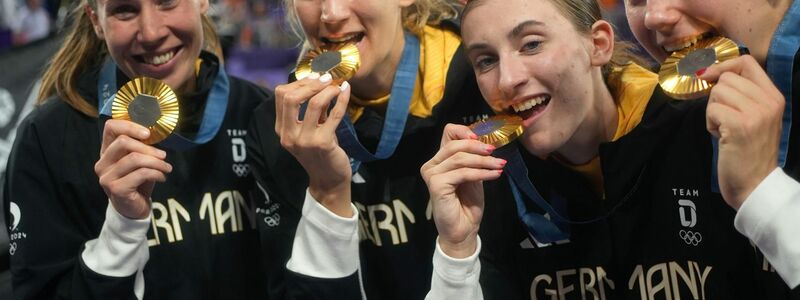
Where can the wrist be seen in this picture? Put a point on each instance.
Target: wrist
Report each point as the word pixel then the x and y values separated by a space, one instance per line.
pixel 461 249
pixel 334 197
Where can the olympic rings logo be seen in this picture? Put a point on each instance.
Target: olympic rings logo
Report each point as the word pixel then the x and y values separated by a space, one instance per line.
pixel 241 170
pixel 690 237
pixel 273 220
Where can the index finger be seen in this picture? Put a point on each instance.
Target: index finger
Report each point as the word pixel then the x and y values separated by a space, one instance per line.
pixel 114 128
pixel 457 132
pixel 745 66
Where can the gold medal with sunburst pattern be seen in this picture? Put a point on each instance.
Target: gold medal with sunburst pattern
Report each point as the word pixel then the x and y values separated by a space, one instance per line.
pixel 677 75
pixel 148 102
pixel 340 60
pixel 498 130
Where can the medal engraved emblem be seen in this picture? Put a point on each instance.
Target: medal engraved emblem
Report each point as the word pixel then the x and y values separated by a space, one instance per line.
pixel 677 75
pixel 148 102
pixel 498 130
pixel 339 60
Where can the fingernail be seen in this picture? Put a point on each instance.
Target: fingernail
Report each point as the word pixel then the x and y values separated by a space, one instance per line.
pixel 162 153
pixel 144 132
pixel 344 86
pixel 326 78
pixel 473 136
pixel 500 171
pixel 313 75
pixel 700 72
pixel 503 162
pixel 490 148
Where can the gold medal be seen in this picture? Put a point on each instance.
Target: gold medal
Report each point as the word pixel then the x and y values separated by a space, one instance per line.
pixel 148 102
pixel 340 60
pixel 677 75
pixel 498 130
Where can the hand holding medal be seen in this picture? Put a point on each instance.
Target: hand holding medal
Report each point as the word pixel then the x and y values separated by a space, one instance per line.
pixel 455 178
pixel 148 102
pixel 144 112
pixel 308 112
pixel 678 77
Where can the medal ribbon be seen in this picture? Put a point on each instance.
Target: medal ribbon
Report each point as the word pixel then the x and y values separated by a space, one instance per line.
pixel 396 112
pixel 214 112
pixel 542 228
pixel 780 60
pixel 553 226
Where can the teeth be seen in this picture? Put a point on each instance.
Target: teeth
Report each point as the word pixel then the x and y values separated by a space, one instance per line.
pixel 343 39
pixel 528 104
pixel 686 44
pixel 159 59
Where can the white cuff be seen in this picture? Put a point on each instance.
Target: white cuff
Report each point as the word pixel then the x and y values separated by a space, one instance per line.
pixel 770 217
pixel 455 278
pixel 325 244
pixel 121 248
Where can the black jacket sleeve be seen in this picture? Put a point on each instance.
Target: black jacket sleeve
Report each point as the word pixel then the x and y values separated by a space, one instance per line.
pixel 282 183
pixel 49 219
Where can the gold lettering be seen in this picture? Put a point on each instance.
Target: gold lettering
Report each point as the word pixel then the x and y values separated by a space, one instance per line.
pixel 402 212
pixel 638 276
pixel 229 214
pixel 249 212
pixel 703 276
pixel 676 270
pixel 652 290
pixel 385 224
pixel 563 290
pixel 207 208
pixel 535 284
pixel 161 220
pixel 589 286
pixel 174 209
pixel 603 277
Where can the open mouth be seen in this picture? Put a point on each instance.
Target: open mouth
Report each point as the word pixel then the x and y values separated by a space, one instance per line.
pixel 350 38
pixel 157 59
pixel 531 107
pixel 687 42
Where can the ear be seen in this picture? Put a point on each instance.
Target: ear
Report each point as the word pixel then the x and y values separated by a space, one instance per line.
pixel 602 43
pixel 406 3
pixel 203 6
pixel 98 30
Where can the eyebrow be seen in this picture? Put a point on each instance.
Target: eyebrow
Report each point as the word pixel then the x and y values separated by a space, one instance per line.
pixel 521 27
pixel 515 32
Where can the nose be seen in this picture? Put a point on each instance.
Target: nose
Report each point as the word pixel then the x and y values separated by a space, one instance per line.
pixel 513 76
pixel 152 29
pixel 334 11
pixel 660 16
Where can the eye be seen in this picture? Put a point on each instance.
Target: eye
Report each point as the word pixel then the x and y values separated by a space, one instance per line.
pixel 167 3
pixel 484 62
pixel 530 46
pixel 124 12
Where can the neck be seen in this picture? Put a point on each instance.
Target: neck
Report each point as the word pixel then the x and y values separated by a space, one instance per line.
pixel 761 22
pixel 378 82
pixel 598 127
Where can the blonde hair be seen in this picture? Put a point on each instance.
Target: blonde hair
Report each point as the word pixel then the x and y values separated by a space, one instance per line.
pixel 583 14
pixel 82 50
pixel 414 17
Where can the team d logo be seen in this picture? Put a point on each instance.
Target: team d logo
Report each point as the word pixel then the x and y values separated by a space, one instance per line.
pixel 239 152
pixel 688 215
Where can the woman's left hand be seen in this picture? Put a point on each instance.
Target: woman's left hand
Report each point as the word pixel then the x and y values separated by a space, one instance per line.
pixel 744 111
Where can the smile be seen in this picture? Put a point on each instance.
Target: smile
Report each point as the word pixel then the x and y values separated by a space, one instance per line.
pixel 350 38
pixel 157 59
pixel 528 108
pixel 687 42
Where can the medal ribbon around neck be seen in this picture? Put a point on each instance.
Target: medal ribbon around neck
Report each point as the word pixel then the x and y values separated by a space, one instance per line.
pixel 396 112
pixel 501 131
pixel 213 115
pixel 780 61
